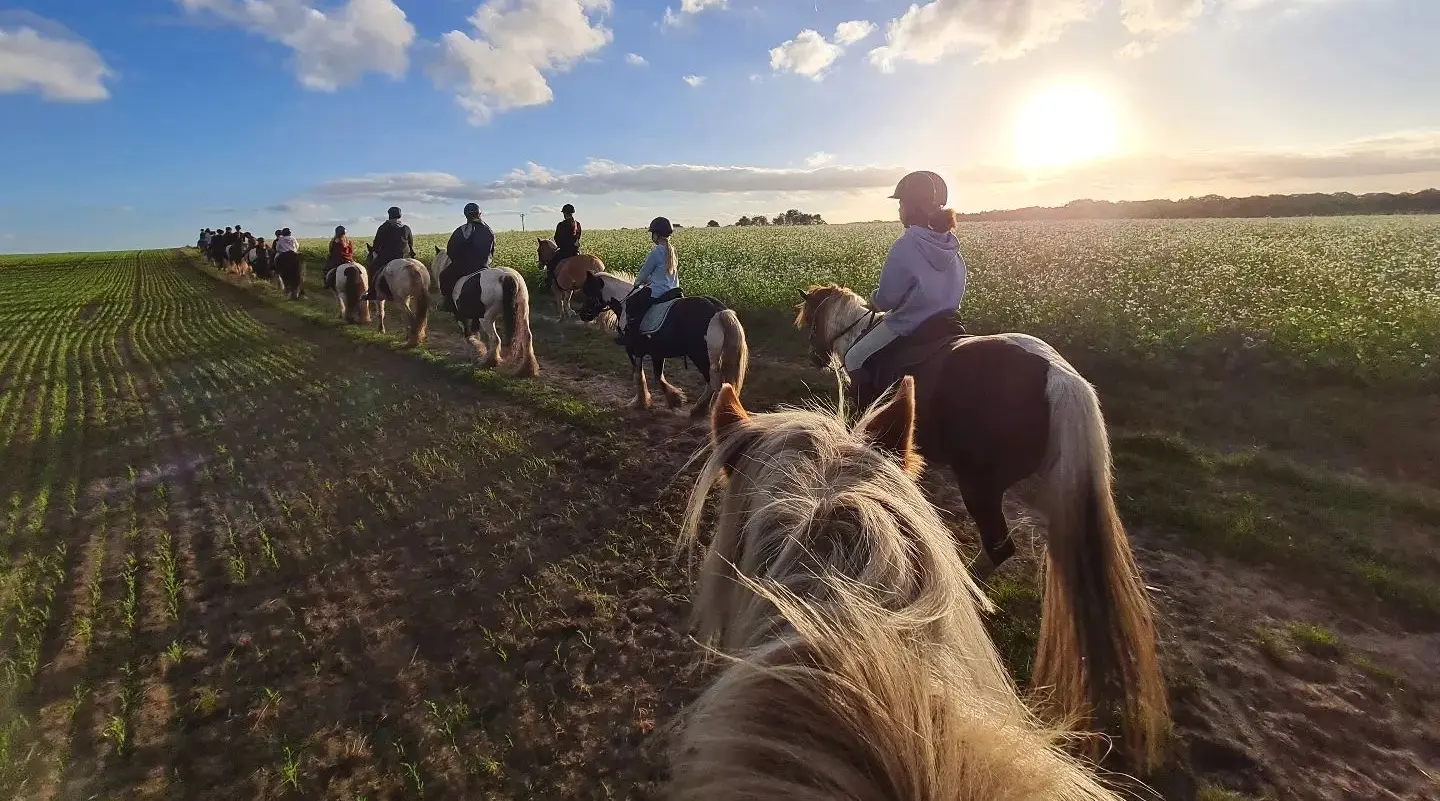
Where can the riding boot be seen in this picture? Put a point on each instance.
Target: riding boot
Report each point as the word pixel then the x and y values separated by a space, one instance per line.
pixel 862 389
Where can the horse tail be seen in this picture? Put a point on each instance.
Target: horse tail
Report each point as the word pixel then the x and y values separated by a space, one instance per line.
pixel 729 352
pixel 421 313
pixel 515 323
pixel 850 703
pixel 352 292
pixel 1096 650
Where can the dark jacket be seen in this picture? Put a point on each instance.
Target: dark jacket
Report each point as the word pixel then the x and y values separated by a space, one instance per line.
pixel 567 236
pixel 393 240
pixel 471 247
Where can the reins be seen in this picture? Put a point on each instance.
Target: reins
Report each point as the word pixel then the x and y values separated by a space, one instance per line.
pixel 870 315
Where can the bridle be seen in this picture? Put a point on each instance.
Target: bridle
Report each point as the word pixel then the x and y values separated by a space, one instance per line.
pixel 821 355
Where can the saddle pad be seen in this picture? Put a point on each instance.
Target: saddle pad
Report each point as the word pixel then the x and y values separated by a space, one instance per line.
pixel 655 317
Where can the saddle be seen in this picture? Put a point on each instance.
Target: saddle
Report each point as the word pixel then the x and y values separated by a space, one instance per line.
pixel 906 355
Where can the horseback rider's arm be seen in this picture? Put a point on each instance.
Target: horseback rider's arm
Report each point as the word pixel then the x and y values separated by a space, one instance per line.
pixel 455 245
pixel 896 277
pixel 409 243
pixel 654 263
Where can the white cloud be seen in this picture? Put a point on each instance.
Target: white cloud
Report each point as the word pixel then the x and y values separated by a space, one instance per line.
pixel 516 42
pixel 635 60
pixel 848 33
pixel 807 54
pixel 689 8
pixel 694 80
pixel 331 48
pixel 998 29
pixel 600 177
pixel 818 158
pixel 37 55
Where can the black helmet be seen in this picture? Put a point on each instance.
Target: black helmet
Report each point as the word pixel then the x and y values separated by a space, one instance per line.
pixel 661 227
pixel 567 209
pixel 339 229
pixel 471 210
pixel 285 232
pixel 394 212
pixel 923 188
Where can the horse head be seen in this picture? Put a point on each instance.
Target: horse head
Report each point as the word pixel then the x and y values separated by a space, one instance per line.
pixel 593 289
pixel 544 249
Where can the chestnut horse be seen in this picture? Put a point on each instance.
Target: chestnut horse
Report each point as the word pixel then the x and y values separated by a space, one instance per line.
pixel 1000 409
pixel 569 274
pixel 860 667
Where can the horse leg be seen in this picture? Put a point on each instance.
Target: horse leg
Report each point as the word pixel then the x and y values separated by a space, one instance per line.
pixel 701 358
pixel 491 330
pixel 642 392
pixel 674 398
pixel 986 505
pixel 380 313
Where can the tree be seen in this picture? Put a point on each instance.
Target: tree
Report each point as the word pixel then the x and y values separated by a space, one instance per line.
pixel 1305 205
pixel 712 224
pixel 745 221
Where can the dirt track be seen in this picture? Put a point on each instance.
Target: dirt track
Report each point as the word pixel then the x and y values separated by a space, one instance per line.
pixel 396 582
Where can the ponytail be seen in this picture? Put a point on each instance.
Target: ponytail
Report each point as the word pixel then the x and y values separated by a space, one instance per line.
pixel 941 220
pixel 671 262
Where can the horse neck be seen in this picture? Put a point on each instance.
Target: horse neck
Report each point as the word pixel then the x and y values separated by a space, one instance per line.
pixel 846 316
pixel 616 288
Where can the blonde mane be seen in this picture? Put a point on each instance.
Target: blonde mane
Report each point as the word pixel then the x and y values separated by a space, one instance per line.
pixel 861 668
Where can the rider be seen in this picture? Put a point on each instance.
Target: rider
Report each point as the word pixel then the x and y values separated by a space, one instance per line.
pixel 923 277
pixel 658 282
pixel 342 251
pixel 470 249
pixel 393 240
pixel 567 241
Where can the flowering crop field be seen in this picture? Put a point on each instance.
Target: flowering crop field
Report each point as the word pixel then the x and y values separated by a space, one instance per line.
pixel 1358 295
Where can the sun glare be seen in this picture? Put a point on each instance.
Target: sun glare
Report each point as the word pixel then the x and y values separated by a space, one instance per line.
pixel 1064 125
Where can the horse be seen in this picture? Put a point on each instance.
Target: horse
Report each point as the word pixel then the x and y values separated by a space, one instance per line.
pixel 569 274
pixel 1004 408
pixel 351 281
pixel 859 665
pixel 235 263
pixel 495 302
pixel 406 281
pixel 699 328
pixel 291 272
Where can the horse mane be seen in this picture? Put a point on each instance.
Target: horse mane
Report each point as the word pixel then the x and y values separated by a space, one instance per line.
pixel 864 670
pixel 621 274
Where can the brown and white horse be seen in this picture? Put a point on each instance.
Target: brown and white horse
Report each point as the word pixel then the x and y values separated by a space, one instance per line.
pixel 1000 409
pixel 351 282
pixel 860 666
pixel 569 274
pixel 407 282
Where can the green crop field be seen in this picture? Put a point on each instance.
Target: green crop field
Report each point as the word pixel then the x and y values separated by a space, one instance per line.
pixel 251 552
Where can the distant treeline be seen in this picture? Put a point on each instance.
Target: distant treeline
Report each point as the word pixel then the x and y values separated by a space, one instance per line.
pixel 1311 205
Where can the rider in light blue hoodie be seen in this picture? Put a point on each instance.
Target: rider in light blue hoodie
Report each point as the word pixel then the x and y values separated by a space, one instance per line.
pixel 923 276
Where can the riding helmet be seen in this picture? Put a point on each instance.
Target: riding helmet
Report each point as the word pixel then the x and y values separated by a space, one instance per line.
pixel 471 210
pixel 567 209
pixel 923 188
pixel 661 227
pixel 394 212
pixel 339 229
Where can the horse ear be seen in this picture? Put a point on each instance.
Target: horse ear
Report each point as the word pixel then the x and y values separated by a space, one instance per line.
pixel 891 427
pixel 803 296
pixel 727 414
pixel 438 251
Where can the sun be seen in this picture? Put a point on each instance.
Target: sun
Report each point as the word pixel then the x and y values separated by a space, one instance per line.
pixel 1063 125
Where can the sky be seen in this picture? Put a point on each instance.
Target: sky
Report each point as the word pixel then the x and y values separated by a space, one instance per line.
pixel 137 123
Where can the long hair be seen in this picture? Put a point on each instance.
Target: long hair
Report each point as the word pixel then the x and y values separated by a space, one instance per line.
pixel 860 666
pixel 672 262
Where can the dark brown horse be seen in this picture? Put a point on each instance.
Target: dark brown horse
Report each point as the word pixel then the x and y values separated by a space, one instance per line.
pixel 1000 409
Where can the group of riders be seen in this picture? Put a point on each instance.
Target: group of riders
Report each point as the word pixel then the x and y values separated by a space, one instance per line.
pixel 922 281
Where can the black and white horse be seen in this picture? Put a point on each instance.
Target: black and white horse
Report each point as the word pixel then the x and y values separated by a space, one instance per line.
pixel 495 303
pixel 698 328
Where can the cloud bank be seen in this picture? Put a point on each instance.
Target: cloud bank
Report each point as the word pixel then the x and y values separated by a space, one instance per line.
pixel 37 55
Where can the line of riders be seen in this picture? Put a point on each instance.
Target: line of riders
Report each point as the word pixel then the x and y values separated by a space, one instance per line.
pixel 921 284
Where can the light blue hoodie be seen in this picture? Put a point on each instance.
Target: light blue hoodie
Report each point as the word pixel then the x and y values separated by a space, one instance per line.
pixel 924 275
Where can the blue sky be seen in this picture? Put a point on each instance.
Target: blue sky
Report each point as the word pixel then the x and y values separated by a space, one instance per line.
pixel 136 123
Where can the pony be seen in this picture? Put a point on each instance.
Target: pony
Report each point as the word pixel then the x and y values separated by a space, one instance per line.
pixel 406 281
pixel 234 261
pixel 859 666
pixel 569 274
pixel 698 328
pixel 495 302
pixel 351 282
pixel 1003 408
